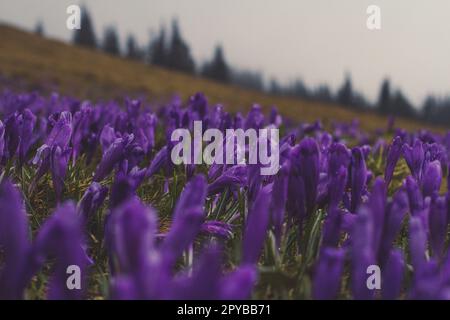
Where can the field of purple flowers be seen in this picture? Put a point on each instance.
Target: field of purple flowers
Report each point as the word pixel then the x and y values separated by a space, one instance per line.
pixel 93 185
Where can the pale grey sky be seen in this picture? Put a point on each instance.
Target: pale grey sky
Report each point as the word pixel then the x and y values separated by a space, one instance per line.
pixel 319 40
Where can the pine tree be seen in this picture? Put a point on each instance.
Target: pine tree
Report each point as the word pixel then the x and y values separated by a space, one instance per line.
pixel 323 94
pixel 111 41
pixel 384 100
pixel 247 79
pixel 85 36
pixel 179 57
pixel 429 109
pixel 345 93
pixel 39 29
pixel 158 49
pixel 401 105
pixel 275 87
pixel 217 69
pixel 133 51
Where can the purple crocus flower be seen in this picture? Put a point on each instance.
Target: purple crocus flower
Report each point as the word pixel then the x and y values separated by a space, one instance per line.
pixel 217 228
pixel 279 198
pixel 328 272
pixel 238 121
pixel 199 104
pixel 303 179
pixel 377 204
pixel 82 120
pixel 414 157
pixel 417 245
pixel 133 227
pixel 332 228
pixel 438 225
pixel 144 131
pixel 123 188
pixel 92 200
pixel 235 176
pixel 107 137
pixel 61 237
pixel 309 159
pixel 204 284
pixel 27 122
pixel 142 270
pixel 435 151
pixel 113 155
pixel 58 166
pixel 415 197
pixel 135 262
pixel 432 178
pixel 42 160
pixel 14 242
pixel 395 213
pixel 275 118
pixel 296 194
pixel 310 128
pixel 392 275
pixel 188 217
pixel 158 162
pixel 363 254
pixel 358 177
pixel 2 140
pixel 238 285
pixel 255 118
pixel 61 132
pixel 19 129
pixel 336 187
pixel 393 154
pixel 428 283
pixel 254 181
pixel 53 154
pixel 340 156
pixel 256 227
pixel 12 130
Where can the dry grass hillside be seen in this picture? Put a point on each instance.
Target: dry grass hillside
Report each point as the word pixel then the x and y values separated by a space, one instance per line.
pixel 90 74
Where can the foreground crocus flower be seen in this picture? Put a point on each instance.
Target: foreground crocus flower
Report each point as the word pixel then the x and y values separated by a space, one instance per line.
pixel 256 228
pixel 14 241
pixel 327 278
pixel 363 254
pixel 393 274
pixel 309 158
pixel 188 217
pixel 61 238
pixel 144 270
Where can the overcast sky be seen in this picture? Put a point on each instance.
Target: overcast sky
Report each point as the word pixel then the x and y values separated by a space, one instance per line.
pixel 319 40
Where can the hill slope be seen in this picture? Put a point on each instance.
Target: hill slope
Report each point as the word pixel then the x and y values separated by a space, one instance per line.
pixel 91 74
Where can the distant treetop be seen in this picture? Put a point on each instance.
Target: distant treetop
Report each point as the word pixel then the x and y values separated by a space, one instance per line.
pixel 85 36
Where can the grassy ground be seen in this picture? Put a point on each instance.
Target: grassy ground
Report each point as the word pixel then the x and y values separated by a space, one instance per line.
pixel 89 74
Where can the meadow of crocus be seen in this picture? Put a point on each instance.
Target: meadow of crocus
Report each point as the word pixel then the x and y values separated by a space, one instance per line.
pixel 93 185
